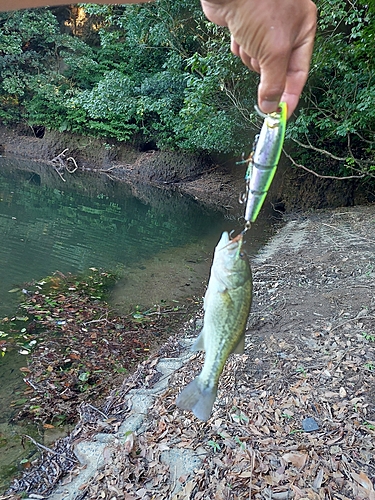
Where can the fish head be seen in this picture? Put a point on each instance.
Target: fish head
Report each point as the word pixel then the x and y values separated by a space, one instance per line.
pixel 231 264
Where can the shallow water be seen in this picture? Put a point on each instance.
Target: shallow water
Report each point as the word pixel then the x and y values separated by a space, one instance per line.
pixel 160 242
pixel 49 226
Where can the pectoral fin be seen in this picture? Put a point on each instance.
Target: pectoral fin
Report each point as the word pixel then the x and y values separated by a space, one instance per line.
pixel 240 347
pixel 199 343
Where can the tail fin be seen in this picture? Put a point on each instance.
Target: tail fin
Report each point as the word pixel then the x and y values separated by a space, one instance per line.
pixel 199 401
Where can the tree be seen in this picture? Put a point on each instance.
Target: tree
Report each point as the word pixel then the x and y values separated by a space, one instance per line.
pixel 336 123
pixel 157 73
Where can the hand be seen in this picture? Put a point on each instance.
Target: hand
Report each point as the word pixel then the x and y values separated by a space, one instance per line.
pixel 274 38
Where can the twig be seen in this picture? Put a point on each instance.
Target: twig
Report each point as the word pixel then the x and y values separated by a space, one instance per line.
pixel 49 450
pixel 63 164
pixel 166 311
pixel 105 170
pixel 96 321
pixel 359 316
pixel 60 156
pixel 323 176
pixel 343 231
pixel 97 409
pixel 251 455
pixel 61 177
pixel 75 165
pixel 314 148
pixel 331 155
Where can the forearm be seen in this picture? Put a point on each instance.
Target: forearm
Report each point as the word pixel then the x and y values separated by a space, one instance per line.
pixel 29 4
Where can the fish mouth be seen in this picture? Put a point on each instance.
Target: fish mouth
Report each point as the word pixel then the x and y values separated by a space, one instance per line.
pixel 232 244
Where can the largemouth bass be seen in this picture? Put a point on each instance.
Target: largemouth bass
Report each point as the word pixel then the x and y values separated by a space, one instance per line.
pixel 227 305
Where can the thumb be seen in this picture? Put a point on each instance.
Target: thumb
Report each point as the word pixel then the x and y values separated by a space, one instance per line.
pixel 273 75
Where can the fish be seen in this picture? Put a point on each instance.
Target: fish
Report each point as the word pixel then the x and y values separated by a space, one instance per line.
pixel 227 305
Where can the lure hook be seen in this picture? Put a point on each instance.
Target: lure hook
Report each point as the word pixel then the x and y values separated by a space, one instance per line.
pixel 260 113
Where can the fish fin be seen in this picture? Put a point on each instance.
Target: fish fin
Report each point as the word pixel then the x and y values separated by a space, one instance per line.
pixel 199 343
pixel 199 401
pixel 240 347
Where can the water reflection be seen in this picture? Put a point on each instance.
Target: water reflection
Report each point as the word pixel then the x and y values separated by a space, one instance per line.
pixel 49 225
pixel 60 226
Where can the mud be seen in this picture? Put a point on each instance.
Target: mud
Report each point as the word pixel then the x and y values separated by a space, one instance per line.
pixel 215 181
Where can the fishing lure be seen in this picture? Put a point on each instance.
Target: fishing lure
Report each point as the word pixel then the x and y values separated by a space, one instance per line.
pixel 263 162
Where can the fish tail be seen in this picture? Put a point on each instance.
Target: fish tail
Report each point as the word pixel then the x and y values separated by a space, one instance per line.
pixel 197 399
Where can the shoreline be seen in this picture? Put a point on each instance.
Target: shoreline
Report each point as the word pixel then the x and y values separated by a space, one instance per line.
pixel 310 354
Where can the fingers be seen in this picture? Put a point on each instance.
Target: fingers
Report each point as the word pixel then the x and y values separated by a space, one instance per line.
pixel 282 77
pixel 250 62
pixel 295 82
pixel 272 84
pixel 280 52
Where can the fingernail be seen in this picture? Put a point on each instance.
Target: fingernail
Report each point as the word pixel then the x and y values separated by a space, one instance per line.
pixel 269 106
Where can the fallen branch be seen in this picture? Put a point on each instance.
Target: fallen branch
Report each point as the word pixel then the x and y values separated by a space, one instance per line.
pixel 61 163
pixel 61 177
pixel 75 165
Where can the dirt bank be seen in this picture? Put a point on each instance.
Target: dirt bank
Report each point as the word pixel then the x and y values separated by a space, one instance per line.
pixel 295 415
pixel 216 182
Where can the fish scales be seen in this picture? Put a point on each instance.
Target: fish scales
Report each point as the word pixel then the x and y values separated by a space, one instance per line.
pixel 227 305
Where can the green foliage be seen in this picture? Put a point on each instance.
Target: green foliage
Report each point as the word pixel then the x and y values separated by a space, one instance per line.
pixel 338 115
pixel 26 46
pixel 32 85
pixel 219 88
pixel 155 72
pixel 160 72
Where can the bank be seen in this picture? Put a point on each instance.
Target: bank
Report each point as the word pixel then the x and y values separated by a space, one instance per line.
pixel 215 181
pixel 295 415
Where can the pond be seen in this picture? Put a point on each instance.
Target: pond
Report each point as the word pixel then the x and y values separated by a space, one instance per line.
pixel 159 241
pixel 69 227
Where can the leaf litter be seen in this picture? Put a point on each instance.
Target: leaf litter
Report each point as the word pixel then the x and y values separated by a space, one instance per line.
pixel 310 354
pixel 79 347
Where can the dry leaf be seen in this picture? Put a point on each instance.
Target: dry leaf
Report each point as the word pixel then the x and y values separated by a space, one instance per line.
pixel 296 459
pixel 283 495
pixel 363 480
pixel 312 495
pixel 184 494
pixel 245 474
pixel 128 444
pixel 342 392
pixel 318 480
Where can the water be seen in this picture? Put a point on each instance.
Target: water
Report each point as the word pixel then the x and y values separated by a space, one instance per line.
pixel 49 226
pixel 160 242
